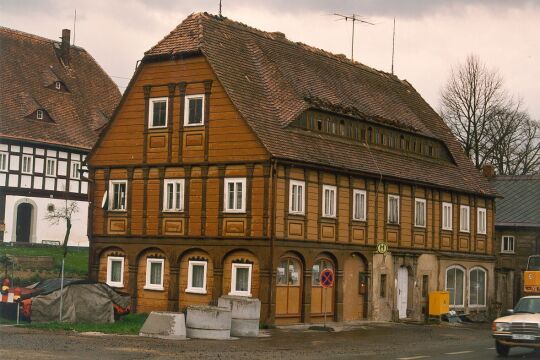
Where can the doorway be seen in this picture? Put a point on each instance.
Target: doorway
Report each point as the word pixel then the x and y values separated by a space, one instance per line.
pixel 24 222
pixel 402 291
pixel 289 278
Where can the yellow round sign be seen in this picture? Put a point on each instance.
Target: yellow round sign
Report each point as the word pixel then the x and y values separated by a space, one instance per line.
pixel 382 248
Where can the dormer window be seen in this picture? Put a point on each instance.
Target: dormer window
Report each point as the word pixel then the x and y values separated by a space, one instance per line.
pixel 57 85
pixel 39 114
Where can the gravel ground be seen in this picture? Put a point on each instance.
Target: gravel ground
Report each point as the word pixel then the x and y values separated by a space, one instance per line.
pixel 368 341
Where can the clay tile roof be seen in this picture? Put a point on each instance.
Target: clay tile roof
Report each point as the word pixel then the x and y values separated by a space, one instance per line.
pixel 520 205
pixel 272 80
pixel 29 65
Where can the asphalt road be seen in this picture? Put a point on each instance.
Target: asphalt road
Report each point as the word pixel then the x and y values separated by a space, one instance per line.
pixel 368 341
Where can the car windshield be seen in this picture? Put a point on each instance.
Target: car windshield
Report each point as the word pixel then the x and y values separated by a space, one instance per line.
pixel 534 263
pixel 531 305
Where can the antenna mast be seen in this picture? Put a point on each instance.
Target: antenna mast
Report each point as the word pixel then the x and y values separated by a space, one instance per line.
pixel 354 18
pixel 74 22
pixel 393 43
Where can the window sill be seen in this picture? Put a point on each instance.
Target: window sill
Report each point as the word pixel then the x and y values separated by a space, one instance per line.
pixel 196 291
pixel 392 224
pixel 234 211
pixel 117 211
pixel 296 213
pixel 193 125
pixel 332 217
pixel 235 293
pixel 508 252
pixel 477 306
pixel 420 226
pixel 115 285
pixel 481 233
pixel 173 211
pixel 154 288
pixel 360 220
pixel 157 127
pixel 447 229
pixel 465 231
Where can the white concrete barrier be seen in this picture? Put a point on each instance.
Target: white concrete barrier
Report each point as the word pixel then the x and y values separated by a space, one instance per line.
pixel 245 314
pixel 208 322
pixel 164 325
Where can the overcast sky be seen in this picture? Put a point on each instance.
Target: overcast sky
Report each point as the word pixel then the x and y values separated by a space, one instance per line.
pixel 431 35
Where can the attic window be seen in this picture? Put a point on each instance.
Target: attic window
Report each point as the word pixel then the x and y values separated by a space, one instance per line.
pixel 39 114
pixel 57 85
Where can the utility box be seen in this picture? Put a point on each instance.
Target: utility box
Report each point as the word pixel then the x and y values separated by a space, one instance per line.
pixel 439 303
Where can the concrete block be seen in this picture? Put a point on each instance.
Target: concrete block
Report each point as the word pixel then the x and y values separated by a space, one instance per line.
pixel 208 334
pixel 241 307
pixel 245 328
pixel 164 325
pixel 208 317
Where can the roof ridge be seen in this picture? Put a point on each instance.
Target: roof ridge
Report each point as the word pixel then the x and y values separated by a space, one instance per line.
pixel 517 177
pixel 279 36
pixel 37 37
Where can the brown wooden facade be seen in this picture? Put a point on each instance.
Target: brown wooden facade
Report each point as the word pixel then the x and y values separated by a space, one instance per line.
pixel 265 235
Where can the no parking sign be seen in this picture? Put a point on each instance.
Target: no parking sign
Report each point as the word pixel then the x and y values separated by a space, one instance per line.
pixel 327 278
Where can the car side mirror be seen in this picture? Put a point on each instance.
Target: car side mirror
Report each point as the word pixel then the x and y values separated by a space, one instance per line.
pixel 508 312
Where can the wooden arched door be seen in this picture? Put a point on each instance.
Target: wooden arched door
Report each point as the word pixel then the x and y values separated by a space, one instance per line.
pixel 24 222
pixel 318 296
pixel 289 274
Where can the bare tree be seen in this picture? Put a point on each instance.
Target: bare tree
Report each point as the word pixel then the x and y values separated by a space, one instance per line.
pixel 64 213
pixel 489 124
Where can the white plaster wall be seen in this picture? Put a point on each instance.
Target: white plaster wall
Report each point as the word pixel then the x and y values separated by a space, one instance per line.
pixel 382 307
pixel 43 229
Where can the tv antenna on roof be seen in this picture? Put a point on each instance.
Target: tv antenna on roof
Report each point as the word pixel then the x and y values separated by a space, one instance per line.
pixel 354 18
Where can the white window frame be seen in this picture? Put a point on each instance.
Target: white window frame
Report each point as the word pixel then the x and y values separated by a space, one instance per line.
pixel 31 162
pixel 47 167
pixel 300 204
pixel 4 165
pixel 233 279
pixel 57 85
pixel 333 213
pixel 422 201
pixel 186 109
pixel 390 196
pixel 481 213
pixel 190 288
pixel 151 112
pixel 39 114
pixel 76 174
pixel 165 194
pixel 226 195
pixel 362 216
pixel 150 261
pixel 507 251
pixel 469 288
pixel 450 212
pixel 111 283
pixel 465 285
pixel 462 228
pixel 111 194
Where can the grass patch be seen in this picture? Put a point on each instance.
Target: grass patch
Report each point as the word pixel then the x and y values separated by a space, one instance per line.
pixel 76 259
pixel 126 325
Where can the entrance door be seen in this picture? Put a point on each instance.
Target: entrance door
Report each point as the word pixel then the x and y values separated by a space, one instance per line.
pixel 289 289
pixel 24 222
pixel 402 288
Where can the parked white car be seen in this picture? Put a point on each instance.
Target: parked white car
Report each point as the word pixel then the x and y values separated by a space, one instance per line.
pixel 520 328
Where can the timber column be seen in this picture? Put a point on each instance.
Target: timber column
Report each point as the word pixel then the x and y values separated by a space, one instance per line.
pixel 306 299
pixel 173 287
pixel 338 285
pixel 132 284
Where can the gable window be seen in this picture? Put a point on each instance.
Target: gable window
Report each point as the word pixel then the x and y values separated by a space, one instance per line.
pixel 118 195
pixel 115 271
pixel 455 285
pixel 296 197
pixel 197 277
pixel 157 116
pixel 173 199
pixel 393 209
pixel 420 212
pixel 359 205
pixel 235 197
pixel 446 216
pixel 477 287
pixel 4 161
pixel 194 110
pixel 51 167
pixel 39 114
pixel 507 244
pixel 241 279
pixel 154 274
pixel 26 164
pixel 329 201
pixel 75 167
pixel 481 221
pixel 464 218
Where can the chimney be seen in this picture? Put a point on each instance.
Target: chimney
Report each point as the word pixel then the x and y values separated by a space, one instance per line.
pixel 64 47
pixel 488 170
